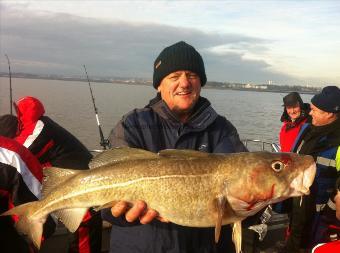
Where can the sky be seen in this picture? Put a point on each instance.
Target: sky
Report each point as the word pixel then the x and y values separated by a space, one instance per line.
pixel 285 42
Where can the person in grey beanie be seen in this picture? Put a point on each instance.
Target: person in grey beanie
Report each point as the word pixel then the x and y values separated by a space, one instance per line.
pixel 177 118
pixel 310 222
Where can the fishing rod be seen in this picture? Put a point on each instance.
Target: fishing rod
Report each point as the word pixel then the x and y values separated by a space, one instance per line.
pixel 10 85
pixel 103 142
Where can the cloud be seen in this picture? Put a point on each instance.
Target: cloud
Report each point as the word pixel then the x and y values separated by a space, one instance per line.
pixel 54 43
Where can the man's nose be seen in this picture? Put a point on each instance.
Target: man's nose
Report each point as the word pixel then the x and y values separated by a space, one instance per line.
pixel 184 81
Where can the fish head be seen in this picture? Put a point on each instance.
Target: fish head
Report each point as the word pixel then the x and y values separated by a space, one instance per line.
pixel 267 178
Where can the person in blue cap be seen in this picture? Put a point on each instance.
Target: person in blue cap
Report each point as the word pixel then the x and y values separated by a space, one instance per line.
pixel 311 218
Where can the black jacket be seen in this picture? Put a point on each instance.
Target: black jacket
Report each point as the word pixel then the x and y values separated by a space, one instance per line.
pixel 52 144
pixel 155 128
pixel 57 146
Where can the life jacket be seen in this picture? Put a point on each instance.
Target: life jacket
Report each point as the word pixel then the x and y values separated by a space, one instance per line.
pixel 326 174
pixel 326 170
pixel 288 134
pixel 15 155
pixel 21 177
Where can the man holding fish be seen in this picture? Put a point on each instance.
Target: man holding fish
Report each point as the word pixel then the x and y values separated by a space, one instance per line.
pixel 177 118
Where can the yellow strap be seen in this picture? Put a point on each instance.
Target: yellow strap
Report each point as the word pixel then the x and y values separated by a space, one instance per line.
pixel 337 159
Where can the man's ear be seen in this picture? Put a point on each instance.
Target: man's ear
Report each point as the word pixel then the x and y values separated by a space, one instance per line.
pixel 159 88
pixel 331 115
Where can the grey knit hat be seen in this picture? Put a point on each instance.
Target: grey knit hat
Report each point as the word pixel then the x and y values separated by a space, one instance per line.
pixel 179 56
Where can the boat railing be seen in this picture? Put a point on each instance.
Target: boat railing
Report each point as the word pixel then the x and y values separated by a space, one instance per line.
pixel 252 145
pixel 261 145
pixel 96 151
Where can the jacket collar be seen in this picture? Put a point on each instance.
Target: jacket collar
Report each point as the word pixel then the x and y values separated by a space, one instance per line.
pixel 202 116
pixel 320 138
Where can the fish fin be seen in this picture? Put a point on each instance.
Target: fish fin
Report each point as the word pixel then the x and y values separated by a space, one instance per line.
pixel 237 236
pixel 107 205
pixel 220 207
pixel 183 153
pixel 120 154
pixel 32 228
pixel 71 218
pixel 261 229
pixel 54 176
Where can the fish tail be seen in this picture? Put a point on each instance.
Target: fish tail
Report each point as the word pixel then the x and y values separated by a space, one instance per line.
pixel 27 225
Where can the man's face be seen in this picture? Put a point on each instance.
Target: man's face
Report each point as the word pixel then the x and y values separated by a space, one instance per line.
pixel 320 117
pixel 294 111
pixel 180 90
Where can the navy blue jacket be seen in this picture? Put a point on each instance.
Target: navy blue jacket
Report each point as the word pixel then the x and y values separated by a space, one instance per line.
pixel 155 128
pixel 316 209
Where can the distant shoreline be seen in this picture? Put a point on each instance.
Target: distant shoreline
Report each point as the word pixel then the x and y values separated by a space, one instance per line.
pixel 209 85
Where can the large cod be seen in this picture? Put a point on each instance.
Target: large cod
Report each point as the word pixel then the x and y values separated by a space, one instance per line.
pixel 189 188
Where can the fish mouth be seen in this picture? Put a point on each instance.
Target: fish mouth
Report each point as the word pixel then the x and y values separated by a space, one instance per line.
pixel 303 181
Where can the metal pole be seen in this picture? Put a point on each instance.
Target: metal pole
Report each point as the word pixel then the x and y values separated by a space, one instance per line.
pixel 10 85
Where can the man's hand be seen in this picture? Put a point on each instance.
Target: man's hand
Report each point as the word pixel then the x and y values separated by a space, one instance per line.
pixel 137 210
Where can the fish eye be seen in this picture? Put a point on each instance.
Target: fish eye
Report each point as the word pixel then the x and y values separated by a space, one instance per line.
pixel 277 166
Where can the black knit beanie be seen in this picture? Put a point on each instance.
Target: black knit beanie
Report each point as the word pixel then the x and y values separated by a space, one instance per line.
pixel 8 125
pixel 179 56
pixel 328 100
